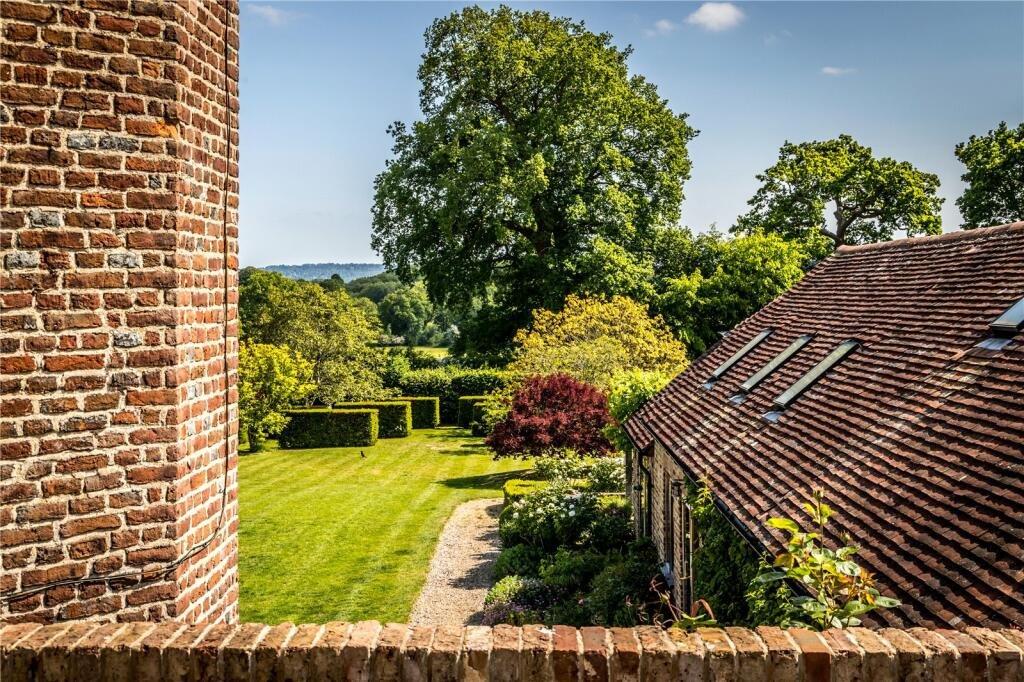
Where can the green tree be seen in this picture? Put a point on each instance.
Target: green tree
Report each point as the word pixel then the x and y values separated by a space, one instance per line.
pixel 406 312
pixel 869 198
pixel 995 177
pixel 270 379
pixel 535 140
pixel 627 393
pixel 748 273
pixel 331 330
pixel 594 339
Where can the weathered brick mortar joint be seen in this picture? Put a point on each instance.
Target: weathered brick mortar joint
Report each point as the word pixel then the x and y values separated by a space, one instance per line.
pixel 371 651
pixel 118 123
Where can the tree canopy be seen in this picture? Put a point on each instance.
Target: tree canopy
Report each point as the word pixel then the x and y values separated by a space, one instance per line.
pixel 995 177
pixel 329 329
pixel 594 339
pixel 535 141
pixel 870 198
pixel 271 378
pixel 732 280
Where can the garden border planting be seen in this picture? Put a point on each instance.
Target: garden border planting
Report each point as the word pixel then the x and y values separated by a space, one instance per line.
pixel 395 415
pixel 327 428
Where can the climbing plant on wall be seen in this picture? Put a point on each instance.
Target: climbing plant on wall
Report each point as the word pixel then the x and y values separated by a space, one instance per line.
pixel 724 565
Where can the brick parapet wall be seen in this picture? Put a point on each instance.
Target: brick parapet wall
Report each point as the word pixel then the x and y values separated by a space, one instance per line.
pixel 371 651
pixel 119 301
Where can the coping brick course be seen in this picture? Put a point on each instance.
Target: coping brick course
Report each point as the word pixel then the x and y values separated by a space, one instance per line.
pixel 372 651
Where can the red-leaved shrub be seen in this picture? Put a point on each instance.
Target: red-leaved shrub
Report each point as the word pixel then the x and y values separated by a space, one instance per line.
pixel 553 412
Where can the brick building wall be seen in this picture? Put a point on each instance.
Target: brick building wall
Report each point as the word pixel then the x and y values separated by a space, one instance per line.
pixel 119 294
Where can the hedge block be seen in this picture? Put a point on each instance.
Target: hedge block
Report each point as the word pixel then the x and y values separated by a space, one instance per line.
pixel 395 416
pixel 476 423
pixel 426 411
pixel 466 404
pixel 516 488
pixel 449 383
pixel 326 428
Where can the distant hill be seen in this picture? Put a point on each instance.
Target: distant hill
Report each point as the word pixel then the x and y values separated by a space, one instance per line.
pixel 310 271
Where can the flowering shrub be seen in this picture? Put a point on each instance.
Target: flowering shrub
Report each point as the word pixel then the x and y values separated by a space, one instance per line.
pixel 555 516
pixel 597 474
pixel 516 600
pixel 550 413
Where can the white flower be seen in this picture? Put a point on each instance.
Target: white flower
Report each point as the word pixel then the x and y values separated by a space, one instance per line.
pixel 572 513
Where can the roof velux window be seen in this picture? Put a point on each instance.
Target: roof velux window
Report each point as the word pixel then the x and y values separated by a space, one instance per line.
pixel 1010 322
pixel 737 356
pixel 776 362
pixel 806 381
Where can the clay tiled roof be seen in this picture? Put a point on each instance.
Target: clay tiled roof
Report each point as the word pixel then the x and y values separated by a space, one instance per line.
pixel 917 438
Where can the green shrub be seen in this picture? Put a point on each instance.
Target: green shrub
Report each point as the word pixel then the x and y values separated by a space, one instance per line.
pixel 622 587
pixel 597 474
pixel 548 518
pixel 395 416
pixel 330 428
pixel 466 404
pixel 478 419
pixel 449 383
pixel 517 488
pixel 568 571
pixel 612 527
pixel 516 600
pixel 426 411
pixel 517 560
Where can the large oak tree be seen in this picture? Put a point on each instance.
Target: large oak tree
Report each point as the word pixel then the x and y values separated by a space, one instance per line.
pixel 535 141
pixel 839 190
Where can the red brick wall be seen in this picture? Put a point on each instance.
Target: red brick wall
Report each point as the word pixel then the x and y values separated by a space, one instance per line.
pixel 119 309
pixel 370 651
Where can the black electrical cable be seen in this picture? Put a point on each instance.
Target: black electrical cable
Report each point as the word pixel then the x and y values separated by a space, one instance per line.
pixel 145 576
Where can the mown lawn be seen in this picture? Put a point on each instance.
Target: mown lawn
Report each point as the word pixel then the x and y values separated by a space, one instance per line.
pixel 328 535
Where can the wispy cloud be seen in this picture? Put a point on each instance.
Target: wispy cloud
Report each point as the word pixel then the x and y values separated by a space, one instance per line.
pixel 775 38
pixel 716 16
pixel 836 71
pixel 662 27
pixel 275 16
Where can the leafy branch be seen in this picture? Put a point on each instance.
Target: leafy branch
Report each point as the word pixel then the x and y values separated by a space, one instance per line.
pixel 842 590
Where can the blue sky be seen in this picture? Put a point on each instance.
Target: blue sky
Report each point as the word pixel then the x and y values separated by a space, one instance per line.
pixel 322 80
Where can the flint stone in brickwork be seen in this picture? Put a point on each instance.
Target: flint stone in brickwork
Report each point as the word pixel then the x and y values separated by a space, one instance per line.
pixel 124 379
pixel 124 260
pixel 154 182
pixel 127 340
pixel 81 141
pixel 22 259
pixel 40 218
pixel 121 144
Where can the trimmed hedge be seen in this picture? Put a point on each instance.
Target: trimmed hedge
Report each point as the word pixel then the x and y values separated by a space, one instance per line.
pixel 395 416
pixel 326 428
pixel 466 404
pixel 449 383
pixel 476 422
pixel 426 411
pixel 516 488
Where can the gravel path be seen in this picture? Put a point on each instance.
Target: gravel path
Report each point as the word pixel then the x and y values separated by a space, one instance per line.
pixel 460 572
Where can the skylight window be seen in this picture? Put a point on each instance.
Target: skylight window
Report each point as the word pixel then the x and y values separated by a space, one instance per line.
pixel 737 356
pixel 806 381
pixel 1010 322
pixel 776 362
